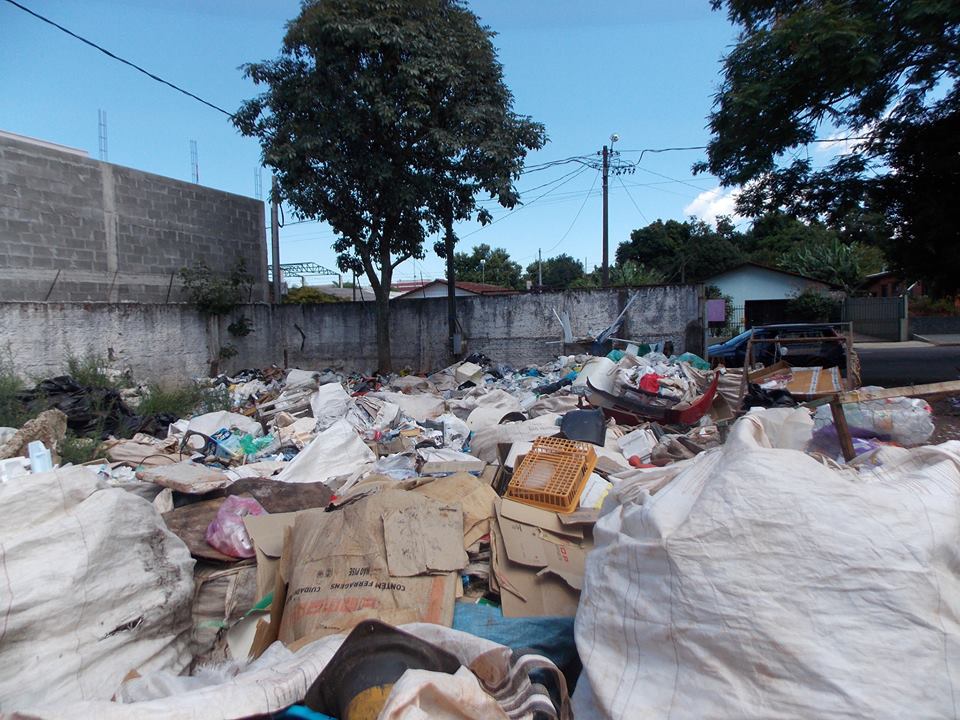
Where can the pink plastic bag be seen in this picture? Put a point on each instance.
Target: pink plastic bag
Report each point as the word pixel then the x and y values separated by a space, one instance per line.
pixel 227 533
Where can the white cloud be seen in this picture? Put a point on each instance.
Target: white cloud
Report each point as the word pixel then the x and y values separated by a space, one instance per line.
pixel 837 144
pixel 711 204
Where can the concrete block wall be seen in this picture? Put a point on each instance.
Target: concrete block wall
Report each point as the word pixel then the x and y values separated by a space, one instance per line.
pixel 76 229
pixel 172 342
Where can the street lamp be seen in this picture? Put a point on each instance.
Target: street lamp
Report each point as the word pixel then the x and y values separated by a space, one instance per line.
pixel 483 269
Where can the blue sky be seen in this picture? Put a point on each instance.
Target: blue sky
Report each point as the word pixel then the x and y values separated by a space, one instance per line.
pixel 642 69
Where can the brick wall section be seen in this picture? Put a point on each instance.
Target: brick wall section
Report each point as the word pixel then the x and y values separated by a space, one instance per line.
pixel 172 342
pixel 76 229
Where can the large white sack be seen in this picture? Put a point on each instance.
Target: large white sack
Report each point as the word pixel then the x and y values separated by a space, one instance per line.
pixel 329 404
pixel 484 442
pixel 336 451
pixel 420 407
pixel 283 679
pixel 93 586
pixel 209 423
pixel 760 583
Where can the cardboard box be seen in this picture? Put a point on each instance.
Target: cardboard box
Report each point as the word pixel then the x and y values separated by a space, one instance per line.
pixel 538 561
pixel 469 371
pixel 338 572
pixel 808 382
pixel 267 533
pixel 476 500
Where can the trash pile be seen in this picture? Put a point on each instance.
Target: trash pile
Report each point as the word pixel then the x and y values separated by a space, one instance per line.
pixel 405 546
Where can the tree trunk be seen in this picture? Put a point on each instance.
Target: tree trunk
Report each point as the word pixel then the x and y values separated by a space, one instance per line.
pixel 449 241
pixel 384 360
pixel 381 290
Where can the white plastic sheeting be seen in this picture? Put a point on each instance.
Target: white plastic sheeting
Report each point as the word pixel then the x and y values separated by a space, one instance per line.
pixel 209 423
pixel 93 586
pixel 760 583
pixel 329 404
pixel 336 451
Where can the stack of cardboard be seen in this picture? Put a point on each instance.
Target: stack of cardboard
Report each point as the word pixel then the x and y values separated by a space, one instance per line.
pixel 538 559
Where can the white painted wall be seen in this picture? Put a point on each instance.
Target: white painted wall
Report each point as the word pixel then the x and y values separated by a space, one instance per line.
pixel 435 290
pixel 755 283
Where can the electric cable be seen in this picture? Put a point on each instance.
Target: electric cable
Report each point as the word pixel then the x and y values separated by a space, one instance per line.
pixel 577 216
pixel 120 59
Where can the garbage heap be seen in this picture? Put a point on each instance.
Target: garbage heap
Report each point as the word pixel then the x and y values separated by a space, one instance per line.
pixel 336 545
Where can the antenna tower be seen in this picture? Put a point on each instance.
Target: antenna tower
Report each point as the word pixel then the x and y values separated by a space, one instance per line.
pixel 102 133
pixel 194 161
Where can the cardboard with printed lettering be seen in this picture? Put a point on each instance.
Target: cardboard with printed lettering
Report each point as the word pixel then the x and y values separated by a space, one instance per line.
pixel 339 572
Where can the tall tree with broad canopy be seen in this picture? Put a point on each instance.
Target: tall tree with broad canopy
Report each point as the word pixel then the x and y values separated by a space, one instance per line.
pixel 385 118
pixel 497 268
pixel 882 71
pixel 683 252
pixel 559 272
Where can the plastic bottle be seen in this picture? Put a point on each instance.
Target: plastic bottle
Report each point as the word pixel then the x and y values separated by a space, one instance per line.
pixel 39 457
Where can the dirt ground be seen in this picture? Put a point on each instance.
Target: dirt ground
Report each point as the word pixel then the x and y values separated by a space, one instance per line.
pixel 946 420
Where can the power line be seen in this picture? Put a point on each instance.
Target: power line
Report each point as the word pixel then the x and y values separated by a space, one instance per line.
pixel 537 187
pixel 511 213
pixel 120 59
pixel 631 199
pixel 577 216
pixel 667 177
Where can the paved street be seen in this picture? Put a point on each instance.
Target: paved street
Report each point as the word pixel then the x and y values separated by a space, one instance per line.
pixel 893 364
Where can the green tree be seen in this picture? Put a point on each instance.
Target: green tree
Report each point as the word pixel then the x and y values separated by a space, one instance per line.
pixel 689 251
pixel 628 274
pixel 774 234
pixel 385 118
pixel 883 71
pixel 559 272
pixel 497 268
pixel 831 261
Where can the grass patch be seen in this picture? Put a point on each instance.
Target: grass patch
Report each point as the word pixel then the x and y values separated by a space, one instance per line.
pixel 92 370
pixel 12 412
pixel 183 401
pixel 78 450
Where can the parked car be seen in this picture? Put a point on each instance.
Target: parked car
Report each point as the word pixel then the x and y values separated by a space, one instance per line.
pixel 767 349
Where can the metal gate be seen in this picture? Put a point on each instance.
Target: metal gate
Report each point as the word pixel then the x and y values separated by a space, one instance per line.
pixel 878 318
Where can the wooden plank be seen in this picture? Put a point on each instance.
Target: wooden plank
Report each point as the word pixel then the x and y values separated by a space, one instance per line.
pixel 941 388
pixel 843 431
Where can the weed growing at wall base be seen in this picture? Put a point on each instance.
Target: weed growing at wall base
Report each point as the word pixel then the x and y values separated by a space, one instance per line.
pixel 12 412
pixel 183 400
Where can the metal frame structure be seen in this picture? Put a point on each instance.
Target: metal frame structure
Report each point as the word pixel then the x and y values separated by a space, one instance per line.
pixel 846 338
pixel 302 270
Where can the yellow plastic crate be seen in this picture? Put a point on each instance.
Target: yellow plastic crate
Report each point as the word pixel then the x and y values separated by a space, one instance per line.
pixel 552 474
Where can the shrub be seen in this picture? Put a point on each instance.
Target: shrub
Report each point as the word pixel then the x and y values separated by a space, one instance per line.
pixel 12 412
pixel 93 371
pixel 79 450
pixel 925 305
pixel 308 296
pixel 215 294
pixel 813 306
pixel 184 401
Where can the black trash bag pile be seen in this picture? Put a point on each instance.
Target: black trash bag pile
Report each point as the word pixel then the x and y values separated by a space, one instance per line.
pixel 759 397
pixel 94 412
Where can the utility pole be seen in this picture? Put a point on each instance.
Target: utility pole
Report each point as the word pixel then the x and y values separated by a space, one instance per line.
pixel 275 239
pixel 605 272
pixel 539 269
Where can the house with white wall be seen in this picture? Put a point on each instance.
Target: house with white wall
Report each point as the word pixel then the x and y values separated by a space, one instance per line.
pixel 753 281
